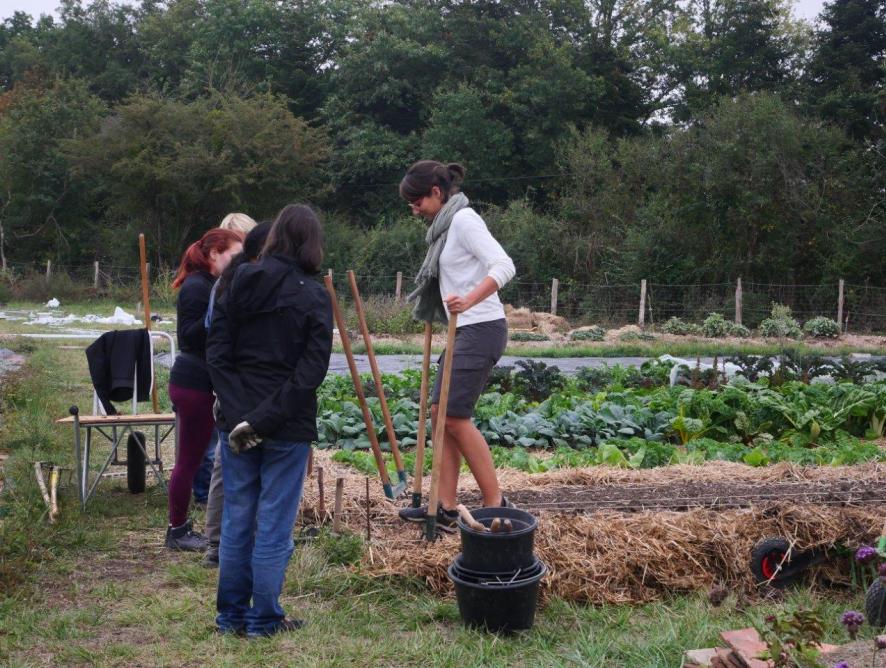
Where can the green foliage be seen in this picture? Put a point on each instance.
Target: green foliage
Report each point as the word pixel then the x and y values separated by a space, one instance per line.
pixel 756 423
pixel 536 380
pixel 822 327
pixel 528 336
pixel 781 324
pixel 341 549
pixel 636 336
pixel 172 168
pixel 715 326
pixel 385 315
pixel 792 640
pixel 677 326
pixel 683 145
pixel 592 333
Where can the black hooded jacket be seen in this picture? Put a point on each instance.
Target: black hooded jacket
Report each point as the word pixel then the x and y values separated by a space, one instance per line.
pixel 268 349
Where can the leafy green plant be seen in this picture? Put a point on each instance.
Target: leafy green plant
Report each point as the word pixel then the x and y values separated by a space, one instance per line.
pixel 793 640
pixel 780 324
pixel 686 428
pixel 593 333
pixel 528 336
pixel 679 327
pixel 501 379
pixel 636 336
pixel 822 327
pixel 715 326
pixel 739 331
pixel 536 380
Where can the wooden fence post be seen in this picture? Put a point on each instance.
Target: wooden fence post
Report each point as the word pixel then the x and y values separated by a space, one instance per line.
pixel 48 270
pixel 641 319
pixel 555 286
pixel 95 275
pixel 148 271
pixel 840 304
pixel 336 510
pixel 399 288
pixel 738 301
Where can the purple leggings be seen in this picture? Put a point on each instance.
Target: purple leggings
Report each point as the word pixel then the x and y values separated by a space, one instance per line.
pixel 195 423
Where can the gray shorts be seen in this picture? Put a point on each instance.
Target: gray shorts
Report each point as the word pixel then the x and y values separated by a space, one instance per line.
pixel 477 349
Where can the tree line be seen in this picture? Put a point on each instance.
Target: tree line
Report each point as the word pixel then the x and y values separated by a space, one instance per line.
pixel 681 141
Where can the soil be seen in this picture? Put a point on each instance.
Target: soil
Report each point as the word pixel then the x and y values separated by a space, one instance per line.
pixel 684 495
pixel 858 654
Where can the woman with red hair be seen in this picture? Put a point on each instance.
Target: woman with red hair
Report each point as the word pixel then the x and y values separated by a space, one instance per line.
pixel 190 388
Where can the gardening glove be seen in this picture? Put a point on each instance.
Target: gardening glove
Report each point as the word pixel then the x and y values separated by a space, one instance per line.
pixel 242 438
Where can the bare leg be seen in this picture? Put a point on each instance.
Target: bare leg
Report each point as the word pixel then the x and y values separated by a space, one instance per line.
pixel 473 447
pixel 449 469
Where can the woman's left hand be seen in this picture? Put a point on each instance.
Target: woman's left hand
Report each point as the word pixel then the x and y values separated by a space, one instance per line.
pixel 456 304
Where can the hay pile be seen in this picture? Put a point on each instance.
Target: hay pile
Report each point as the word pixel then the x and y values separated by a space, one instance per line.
pixel 612 557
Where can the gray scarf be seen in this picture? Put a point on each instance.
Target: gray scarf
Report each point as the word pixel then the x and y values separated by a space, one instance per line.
pixel 428 302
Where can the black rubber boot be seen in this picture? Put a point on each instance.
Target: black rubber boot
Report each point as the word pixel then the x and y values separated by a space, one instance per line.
pixel 184 538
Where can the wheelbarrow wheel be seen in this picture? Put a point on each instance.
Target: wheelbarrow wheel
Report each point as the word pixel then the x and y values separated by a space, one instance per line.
pixel 769 566
pixel 875 604
pixel 135 462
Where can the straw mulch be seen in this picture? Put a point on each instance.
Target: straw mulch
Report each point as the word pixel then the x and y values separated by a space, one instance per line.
pixel 612 557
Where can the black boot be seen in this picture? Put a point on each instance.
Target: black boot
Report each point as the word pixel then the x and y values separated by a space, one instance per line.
pixel 184 538
pixel 210 559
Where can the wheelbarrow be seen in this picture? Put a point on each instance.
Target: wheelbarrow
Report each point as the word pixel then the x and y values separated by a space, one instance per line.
pixel 775 563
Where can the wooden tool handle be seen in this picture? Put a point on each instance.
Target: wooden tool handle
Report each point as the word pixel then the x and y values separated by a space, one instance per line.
pixel 440 430
pixel 358 384
pixel 468 519
pixel 376 374
pixel 146 302
pixel 421 435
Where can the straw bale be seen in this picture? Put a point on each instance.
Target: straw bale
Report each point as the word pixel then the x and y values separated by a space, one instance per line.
pixel 612 557
pixel 518 318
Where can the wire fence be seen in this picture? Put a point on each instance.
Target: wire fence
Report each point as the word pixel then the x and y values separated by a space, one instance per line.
pixel 859 307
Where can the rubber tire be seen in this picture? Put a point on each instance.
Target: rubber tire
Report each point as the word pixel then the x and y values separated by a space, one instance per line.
pixel 765 549
pixel 135 462
pixel 875 604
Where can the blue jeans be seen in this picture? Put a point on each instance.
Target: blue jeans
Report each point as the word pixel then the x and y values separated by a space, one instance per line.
pixel 204 474
pixel 263 487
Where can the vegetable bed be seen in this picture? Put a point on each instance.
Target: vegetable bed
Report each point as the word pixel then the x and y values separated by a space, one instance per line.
pixel 536 419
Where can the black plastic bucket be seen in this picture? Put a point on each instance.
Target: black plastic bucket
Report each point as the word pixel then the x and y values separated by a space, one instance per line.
pixel 499 606
pixel 494 576
pixel 502 552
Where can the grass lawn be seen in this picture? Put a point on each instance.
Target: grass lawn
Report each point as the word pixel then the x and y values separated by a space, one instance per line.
pixel 96 589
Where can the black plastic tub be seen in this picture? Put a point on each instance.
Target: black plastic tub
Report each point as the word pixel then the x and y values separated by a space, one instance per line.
pixel 494 576
pixel 501 552
pixel 501 607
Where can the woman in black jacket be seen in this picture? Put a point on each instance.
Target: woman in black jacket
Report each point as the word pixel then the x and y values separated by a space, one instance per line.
pixel 189 386
pixel 268 351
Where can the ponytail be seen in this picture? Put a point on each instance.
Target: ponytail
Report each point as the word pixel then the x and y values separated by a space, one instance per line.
pixel 422 176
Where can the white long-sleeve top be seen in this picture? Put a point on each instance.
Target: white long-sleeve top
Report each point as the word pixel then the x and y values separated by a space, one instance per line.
pixel 471 254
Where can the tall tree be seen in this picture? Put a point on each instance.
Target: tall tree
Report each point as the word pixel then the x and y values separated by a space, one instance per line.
pixel 847 76
pixel 43 213
pixel 174 169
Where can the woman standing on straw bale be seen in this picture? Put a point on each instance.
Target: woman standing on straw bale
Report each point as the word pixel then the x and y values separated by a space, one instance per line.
pixel 268 352
pixel 462 272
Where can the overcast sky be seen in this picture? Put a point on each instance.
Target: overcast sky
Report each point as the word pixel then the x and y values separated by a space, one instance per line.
pixel 808 9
